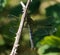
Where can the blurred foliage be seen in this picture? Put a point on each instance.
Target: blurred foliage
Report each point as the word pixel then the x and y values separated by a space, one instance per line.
pixel 2 4
pixel 48 50
pixel 2 42
pixel 46 28
pixel 34 6
pixel 51 40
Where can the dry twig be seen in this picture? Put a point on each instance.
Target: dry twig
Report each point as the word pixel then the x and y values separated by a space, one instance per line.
pixel 18 34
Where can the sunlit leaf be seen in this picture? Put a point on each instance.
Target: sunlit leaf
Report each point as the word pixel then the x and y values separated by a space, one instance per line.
pixel 42 49
pixel 51 40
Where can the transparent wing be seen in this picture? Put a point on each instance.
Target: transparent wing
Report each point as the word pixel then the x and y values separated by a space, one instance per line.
pixel 13 25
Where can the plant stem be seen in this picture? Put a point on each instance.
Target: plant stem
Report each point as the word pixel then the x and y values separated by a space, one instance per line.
pixel 18 34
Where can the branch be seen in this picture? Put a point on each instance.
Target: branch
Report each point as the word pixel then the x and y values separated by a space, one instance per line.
pixel 31 41
pixel 18 34
pixel 30 23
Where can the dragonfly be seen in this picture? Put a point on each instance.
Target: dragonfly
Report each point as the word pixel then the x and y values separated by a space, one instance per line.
pixel 14 24
pixel 15 21
pixel 42 28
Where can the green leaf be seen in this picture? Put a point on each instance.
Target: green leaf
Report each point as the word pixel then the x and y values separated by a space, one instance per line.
pixel 51 40
pixel 42 49
pixel 2 42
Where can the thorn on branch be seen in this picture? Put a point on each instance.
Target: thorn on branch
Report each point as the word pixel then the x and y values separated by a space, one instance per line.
pixel 16 45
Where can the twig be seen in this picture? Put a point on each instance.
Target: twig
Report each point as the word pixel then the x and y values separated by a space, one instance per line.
pixel 31 41
pixel 18 34
pixel 30 23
